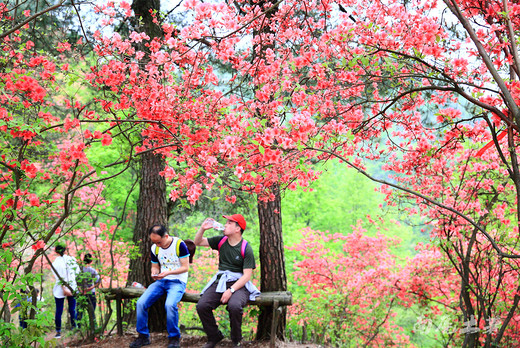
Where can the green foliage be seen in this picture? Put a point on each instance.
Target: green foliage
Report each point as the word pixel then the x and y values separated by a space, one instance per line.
pixel 17 294
pixel 335 203
pixel 121 192
pixel 408 319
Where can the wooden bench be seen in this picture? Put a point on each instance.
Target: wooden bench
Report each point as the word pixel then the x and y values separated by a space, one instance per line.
pixel 276 299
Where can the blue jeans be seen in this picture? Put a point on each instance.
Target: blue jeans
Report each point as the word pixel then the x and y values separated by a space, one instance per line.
pixel 59 311
pixel 174 289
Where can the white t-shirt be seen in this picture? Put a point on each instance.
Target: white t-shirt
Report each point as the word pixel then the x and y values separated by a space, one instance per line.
pixel 170 260
pixel 67 267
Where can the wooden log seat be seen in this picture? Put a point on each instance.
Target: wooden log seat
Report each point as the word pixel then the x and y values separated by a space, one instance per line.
pixel 275 299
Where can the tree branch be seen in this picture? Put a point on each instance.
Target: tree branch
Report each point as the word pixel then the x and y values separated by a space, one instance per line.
pixel 512 38
pixel 29 19
pixel 508 98
pixel 427 199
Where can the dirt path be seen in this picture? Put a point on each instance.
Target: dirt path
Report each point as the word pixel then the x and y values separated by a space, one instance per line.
pixel 160 340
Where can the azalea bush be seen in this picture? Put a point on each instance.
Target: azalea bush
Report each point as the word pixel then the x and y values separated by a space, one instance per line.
pixel 47 185
pixel 471 241
pixel 111 257
pixel 350 295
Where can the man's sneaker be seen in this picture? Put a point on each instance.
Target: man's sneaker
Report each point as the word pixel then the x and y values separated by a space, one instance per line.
pixel 212 344
pixel 174 342
pixel 237 344
pixel 58 335
pixel 142 340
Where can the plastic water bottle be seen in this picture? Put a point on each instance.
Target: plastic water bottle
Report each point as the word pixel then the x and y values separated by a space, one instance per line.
pixel 218 226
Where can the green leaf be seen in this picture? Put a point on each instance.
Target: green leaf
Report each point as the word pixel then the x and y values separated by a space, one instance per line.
pixel 8 257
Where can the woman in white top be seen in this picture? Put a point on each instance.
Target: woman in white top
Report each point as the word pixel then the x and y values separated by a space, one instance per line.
pixel 65 268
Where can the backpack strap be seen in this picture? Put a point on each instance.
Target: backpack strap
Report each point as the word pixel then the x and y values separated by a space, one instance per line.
pixel 178 246
pixel 242 248
pixel 222 241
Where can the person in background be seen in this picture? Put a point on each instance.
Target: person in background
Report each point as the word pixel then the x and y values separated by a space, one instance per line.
pixel 232 284
pixel 65 269
pixel 89 279
pixel 23 309
pixel 170 265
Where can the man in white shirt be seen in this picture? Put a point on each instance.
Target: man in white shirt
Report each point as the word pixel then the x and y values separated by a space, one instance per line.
pixel 170 265
pixel 65 268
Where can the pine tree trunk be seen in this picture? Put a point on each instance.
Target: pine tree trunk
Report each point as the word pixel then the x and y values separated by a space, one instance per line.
pixel 151 210
pixel 151 205
pixel 272 260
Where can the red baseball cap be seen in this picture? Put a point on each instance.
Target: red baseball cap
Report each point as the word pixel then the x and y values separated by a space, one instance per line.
pixel 239 219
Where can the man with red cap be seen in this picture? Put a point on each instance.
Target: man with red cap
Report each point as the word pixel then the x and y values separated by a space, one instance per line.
pixel 232 284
